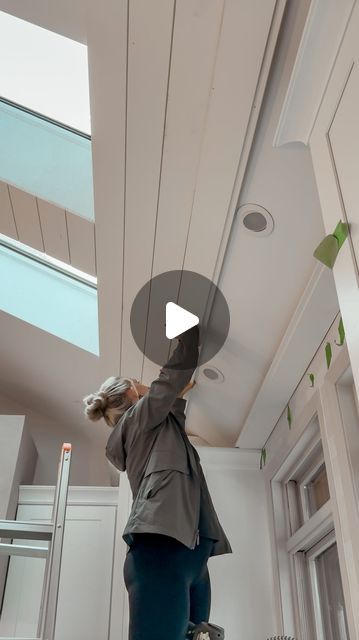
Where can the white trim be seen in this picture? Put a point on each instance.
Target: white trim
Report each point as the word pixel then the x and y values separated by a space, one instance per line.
pixel 322 545
pixel 312 531
pixel 95 496
pixel 251 128
pixel 322 36
pixel 303 434
pixel 229 458
pixel 309 444
pixel 293 608
pixel 119 601
pixel 284 587
pixel 226 458
pixel 305 614
pixel 315 313
pixel 345 512
pixel 312 555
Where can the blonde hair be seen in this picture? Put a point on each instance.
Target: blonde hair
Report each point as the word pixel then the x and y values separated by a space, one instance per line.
pixel 109 402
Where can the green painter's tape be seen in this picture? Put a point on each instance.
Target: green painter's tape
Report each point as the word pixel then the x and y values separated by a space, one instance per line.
pixel 341 332
pixel 263 458
pixel 341 232
pixel 327 251
pixel 289 417
pixel 328 353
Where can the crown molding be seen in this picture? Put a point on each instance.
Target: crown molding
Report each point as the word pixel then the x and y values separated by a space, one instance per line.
pixel 94 496
pixel 315 313
pixel 323 32
pixel 229 458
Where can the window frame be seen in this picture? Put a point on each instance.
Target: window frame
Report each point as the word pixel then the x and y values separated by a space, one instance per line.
pixel 292 581
pixel 311 555
pixel 283 449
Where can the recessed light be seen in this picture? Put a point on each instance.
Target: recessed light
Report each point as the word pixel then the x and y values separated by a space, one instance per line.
pixel 255 219
pixel 212 374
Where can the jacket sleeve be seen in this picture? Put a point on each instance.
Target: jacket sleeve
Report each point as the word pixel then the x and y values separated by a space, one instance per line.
pixel 178 408
pixel 153 408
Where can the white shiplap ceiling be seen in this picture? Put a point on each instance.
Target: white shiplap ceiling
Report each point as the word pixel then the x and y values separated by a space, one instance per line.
pixel 175 93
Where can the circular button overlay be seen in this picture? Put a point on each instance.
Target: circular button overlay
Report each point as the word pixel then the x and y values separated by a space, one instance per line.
pixel 189 292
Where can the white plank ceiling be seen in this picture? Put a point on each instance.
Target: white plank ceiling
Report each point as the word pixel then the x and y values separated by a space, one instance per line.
pixel 176 88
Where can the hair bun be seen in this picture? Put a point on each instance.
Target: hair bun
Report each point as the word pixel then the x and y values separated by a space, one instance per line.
pixel 95 405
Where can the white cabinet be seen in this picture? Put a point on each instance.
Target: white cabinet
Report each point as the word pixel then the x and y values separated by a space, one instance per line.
pixel 85 590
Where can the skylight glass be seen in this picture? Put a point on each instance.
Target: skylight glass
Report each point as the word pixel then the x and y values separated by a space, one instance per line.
pixel 46 160
pixel 50 261
pixel 44 72
pixel 48 299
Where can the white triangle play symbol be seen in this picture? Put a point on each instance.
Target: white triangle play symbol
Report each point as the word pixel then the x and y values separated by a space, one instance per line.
pixel 178 320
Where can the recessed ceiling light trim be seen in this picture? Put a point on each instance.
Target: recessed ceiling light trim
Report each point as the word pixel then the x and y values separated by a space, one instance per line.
pixel 255 220
pixel 211 374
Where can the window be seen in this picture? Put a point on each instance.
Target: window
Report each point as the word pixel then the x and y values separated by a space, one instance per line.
pixel 45 115
pixel 307 485
pixel 327 590
pixel 307 551
pixel 317 490
pixel 49 299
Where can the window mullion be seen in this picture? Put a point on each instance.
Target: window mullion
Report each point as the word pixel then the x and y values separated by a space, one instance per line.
pixel 304 603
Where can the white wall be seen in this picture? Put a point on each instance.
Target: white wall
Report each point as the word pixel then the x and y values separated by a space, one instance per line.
pixel 89 465
pixel 242 592
pixel 17 464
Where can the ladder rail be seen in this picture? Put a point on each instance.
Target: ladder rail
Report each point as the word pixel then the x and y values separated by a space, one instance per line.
pixel 49 598
pixel 22 550
pixel 25 530
pixel 52 532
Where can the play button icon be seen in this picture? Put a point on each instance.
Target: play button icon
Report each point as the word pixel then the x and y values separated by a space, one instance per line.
pixel 178 320
pixel 170 304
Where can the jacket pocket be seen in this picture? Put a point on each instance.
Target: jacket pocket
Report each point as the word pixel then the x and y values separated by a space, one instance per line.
pixel 167 459
pixel 162 465
pixel 155 481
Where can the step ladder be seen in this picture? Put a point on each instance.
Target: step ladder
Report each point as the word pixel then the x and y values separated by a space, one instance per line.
pixel 54 534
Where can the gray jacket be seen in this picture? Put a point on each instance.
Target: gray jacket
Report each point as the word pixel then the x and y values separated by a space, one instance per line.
pixel 170 493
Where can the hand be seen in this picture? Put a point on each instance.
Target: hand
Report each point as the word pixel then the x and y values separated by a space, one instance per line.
pixel 141 389
pixel 188 386
pixel 195 328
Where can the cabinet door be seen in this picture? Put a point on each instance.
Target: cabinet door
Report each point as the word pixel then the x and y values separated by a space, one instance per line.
pixel 83 611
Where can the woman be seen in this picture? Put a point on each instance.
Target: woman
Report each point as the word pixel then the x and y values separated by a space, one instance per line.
pixel 173 528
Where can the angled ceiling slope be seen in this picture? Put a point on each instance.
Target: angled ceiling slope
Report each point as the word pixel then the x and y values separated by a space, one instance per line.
pixel 175 92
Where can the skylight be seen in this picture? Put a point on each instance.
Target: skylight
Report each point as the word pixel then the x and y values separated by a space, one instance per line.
pixel 44 72
pixel 49 299
pixel 49 261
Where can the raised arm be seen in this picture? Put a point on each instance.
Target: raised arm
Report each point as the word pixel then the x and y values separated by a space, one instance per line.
pixel 155 405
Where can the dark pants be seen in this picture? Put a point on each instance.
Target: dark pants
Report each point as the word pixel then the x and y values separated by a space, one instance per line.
pixel 168 585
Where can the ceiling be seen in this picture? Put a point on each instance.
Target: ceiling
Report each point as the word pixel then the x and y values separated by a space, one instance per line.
pixel 185 102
